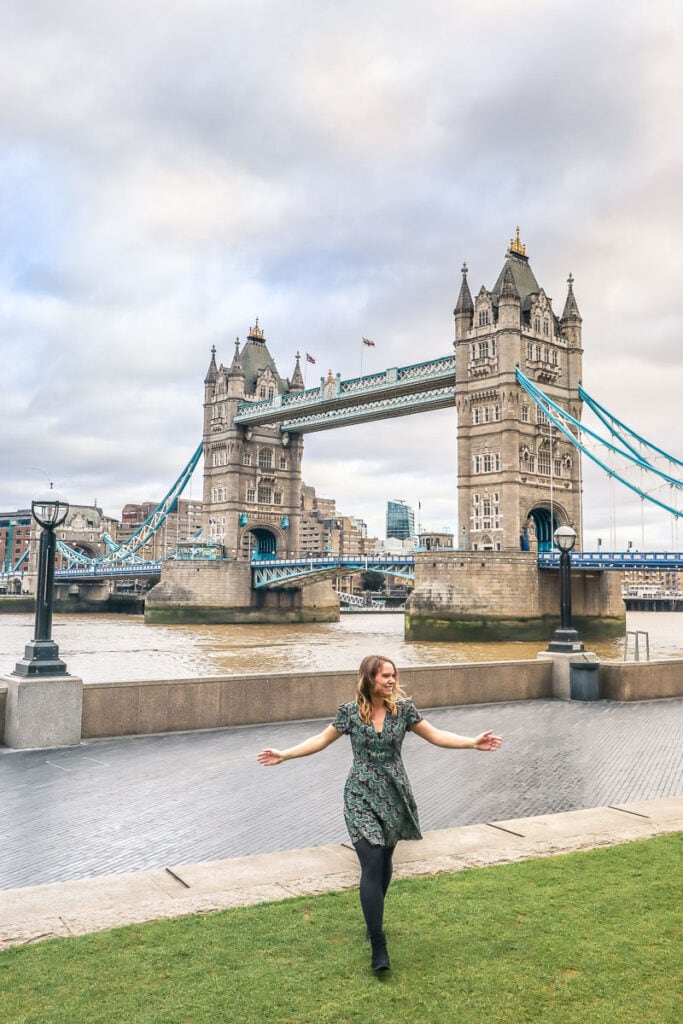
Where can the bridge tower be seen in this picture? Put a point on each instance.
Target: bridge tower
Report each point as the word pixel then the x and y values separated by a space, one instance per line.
pixel 518 477
pixel 252 475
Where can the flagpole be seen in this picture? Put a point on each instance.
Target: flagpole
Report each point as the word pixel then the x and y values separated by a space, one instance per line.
pixel 362 346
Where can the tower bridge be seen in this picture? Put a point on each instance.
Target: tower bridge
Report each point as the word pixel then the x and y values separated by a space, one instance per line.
pixel 514 382
pixel 516 482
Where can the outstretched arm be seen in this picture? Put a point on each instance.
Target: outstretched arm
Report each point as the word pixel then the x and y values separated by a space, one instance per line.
pixel 443 738
pixel 310 746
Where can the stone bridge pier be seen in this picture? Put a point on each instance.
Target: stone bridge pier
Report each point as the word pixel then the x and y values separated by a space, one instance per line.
pixel 503 595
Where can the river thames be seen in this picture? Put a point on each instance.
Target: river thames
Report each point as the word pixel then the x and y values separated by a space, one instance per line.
pixel 114 648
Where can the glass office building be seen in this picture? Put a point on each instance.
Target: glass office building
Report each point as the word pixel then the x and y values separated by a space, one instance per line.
pixel 400 520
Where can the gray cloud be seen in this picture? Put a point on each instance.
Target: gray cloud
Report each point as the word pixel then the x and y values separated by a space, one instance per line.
pixel 171 170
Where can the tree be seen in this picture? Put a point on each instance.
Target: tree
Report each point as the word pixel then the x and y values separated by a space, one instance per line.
pixel 372 580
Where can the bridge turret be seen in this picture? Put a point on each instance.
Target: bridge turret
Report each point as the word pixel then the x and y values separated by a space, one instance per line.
pixel 571 320
pixel 297 381
pixel 234 377
pixel 212 372
pixel 509 302
pixel 464 309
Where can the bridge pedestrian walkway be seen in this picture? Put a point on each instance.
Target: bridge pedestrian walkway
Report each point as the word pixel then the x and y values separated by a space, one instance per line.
pixel 115 831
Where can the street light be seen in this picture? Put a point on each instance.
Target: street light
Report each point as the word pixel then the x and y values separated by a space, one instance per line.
pixel 41 655
pixel 565 638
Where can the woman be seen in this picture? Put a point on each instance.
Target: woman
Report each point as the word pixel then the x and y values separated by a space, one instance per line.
pixel 379 807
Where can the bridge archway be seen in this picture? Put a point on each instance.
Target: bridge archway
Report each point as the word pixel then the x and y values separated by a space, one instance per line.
pixel 541 523
pixel 259 543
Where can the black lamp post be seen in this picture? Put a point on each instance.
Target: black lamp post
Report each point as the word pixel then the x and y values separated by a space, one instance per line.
pixel 41 655
pixel 565 639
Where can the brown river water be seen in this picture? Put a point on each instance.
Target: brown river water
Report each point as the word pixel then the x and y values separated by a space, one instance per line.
pixel 113 648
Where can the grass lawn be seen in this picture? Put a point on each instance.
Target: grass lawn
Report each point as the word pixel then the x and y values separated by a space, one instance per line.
pixel 587 937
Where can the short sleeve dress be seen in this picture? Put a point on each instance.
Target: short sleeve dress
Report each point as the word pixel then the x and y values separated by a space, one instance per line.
pixel 379 805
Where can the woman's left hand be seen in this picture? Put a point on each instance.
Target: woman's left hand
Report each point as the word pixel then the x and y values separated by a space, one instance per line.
pixel 487 741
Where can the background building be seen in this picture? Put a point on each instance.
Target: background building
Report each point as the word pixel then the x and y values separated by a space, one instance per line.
pixel 15 535
pixel 400 520
pixel 180 527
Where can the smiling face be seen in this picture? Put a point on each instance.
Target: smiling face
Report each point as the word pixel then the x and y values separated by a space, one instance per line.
pixel 384 680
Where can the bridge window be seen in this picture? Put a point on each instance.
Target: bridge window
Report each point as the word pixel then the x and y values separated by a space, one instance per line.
pixel 496 413
pixel 476 499
pixel 544 463
pixel 483 349
pixel 541 416
pixel 262 391
pixel 493 346
pixel 525 414
pixel 546 327
pixel 483 317
pixel 476 463
pixel 271 392
pixel 554 357
pixel 487 414
pixel 529 350
pixel 283 462
pixel 264 495
pixel 537 323
pixel 557 467
pixel 251 494
pixel 246 458
pixel 488 463
pixel 265 458
pixel 476 414
pixel 277 497
pixel 486 507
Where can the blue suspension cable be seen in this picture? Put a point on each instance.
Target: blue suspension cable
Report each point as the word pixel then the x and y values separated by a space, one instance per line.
pixel 547 406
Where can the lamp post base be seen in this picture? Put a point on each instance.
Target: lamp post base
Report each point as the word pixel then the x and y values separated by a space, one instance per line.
pixel 43 711
pixel 41 658
pixel 565 641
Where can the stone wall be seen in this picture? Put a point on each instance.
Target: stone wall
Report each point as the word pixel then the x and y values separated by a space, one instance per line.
pixel 124 709
pixel 220 591
pixel 154 706
pixel 641 680
pixel 502 595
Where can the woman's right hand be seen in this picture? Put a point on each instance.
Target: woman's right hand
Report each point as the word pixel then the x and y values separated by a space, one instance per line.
pixel 270 757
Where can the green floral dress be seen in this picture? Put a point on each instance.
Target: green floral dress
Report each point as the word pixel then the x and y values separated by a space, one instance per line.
pixel 378 802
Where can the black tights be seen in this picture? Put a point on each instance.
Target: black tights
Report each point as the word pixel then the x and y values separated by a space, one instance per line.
pixel 375 875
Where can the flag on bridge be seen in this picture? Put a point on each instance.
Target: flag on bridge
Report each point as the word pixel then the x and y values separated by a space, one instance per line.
pixel 370 344
pixel 309 359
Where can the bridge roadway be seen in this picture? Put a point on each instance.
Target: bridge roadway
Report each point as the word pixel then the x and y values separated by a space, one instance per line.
pixel 274 572
pixel 119 805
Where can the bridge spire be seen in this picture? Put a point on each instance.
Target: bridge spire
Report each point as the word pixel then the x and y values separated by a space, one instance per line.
pixel 212 372
pixel 236 368
pixel 571 310
pixel 464 303
pixel 297 382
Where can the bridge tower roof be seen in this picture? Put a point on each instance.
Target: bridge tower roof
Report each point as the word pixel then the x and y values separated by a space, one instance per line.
pixel 517 262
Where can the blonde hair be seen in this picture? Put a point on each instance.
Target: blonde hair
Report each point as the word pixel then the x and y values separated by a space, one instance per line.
pixel 369 667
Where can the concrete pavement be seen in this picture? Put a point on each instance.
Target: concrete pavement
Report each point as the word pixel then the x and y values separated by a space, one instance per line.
pixel 79 907
pixel 116 831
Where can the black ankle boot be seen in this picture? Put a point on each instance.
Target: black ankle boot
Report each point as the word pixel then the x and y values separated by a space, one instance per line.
pixel 380 956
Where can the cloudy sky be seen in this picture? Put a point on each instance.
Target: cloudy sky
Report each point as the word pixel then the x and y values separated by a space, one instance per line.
pixel 171 170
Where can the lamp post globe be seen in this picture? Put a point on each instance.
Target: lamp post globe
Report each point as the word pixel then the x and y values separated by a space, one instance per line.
pixel 565 639
pixel 41 655
pixel 49 510
pixel 565 538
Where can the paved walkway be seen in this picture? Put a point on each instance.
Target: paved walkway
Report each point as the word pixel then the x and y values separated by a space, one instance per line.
pixel 76 908
pixel 117 822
